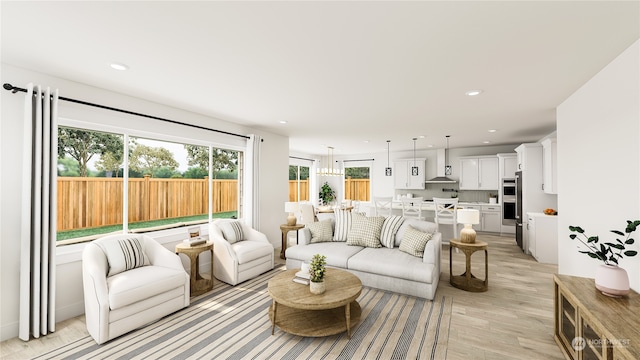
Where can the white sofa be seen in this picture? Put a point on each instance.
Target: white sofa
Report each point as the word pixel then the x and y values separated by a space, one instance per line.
pixel 382 268
pixel 118 303
pixel 238 261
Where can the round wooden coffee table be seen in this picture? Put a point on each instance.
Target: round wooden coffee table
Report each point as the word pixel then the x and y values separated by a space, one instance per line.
pixel 297 311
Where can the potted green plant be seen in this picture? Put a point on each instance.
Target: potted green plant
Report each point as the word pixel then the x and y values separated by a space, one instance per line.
pixel 327 195
pixel 610 279
pixel 316 274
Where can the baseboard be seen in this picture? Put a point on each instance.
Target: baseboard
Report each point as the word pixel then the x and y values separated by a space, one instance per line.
pixel 69 311
pixel 9 331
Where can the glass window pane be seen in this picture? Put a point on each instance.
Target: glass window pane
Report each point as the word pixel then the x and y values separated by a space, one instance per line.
pixel 298 183
pixel 89 194
pixel 357 184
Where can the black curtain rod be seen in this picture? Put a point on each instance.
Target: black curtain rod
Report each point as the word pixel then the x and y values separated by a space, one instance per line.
pixel 15 89
pixel 359 160
pixel 299 158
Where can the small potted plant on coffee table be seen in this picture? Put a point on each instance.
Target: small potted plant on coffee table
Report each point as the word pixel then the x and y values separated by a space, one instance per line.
pixel 316 274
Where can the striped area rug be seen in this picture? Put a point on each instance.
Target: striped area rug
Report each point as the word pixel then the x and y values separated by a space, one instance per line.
pixel 233 323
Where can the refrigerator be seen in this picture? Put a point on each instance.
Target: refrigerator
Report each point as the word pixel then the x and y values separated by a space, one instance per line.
pixel 519 215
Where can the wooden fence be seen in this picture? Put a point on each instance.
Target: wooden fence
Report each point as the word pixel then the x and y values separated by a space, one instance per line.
pixel 85 202
pixel 355 189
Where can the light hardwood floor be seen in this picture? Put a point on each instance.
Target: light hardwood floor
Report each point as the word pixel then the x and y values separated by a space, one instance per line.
pixel 512 320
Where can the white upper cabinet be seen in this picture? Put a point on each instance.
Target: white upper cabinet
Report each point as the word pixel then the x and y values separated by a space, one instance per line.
pixel 403 177
pixel 479 173
pixel 549 166
pixel 507 165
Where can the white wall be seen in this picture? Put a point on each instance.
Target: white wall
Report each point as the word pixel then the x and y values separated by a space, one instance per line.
pixel 69 299
pixel 599 162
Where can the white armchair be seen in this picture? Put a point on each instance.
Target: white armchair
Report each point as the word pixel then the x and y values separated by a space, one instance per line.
pixel 118 303
pixel 238 261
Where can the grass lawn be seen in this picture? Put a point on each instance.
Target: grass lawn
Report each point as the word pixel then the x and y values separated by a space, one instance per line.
pixel 72 234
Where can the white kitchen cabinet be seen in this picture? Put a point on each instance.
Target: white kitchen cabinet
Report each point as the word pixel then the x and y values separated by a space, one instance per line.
pixel 479 173
pixel 476 227
pixel 542 231
pixel 491 218
pixel 549 166
pixel 507 166
pixel 402 176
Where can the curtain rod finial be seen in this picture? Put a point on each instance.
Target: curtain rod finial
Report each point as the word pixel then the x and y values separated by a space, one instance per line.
pixel 7 86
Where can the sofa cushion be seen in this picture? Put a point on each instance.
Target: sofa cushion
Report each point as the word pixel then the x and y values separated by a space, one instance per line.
pixel 365 231
pixel 123 254
pixel 231 231
pixel 337 253
pixel 142 283
pixel 249 250
pixel 422 225
pixel 414 241
pixel 321 231
pixel 389 229
pixel 343 225
pixel 393 263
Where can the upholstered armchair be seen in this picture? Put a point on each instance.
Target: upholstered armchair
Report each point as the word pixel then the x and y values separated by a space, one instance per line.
pixel 240 252
pixel 130 280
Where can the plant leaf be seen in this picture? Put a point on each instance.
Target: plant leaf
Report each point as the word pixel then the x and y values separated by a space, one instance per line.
pixel 617 232
pixel 630 253
pixel 613 259
pixel 593 239
pixel 572 236
pixel 577 229
pixel 616 246
pixel 629 241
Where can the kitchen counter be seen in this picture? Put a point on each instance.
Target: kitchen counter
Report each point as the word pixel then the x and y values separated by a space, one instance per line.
pixel 430 205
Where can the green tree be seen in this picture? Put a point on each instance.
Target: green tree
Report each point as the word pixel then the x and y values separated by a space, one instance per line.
pixel 82 145
pixel 293 172
pixel 222 159
pixel 109 162
pixel 357 172
pixel 195 173
pixel 68 166
pixel 148 159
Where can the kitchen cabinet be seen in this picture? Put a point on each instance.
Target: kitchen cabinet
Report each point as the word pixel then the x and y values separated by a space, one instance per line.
pixel 523 154
pixel 402 177
pixel 542 231
pixel 583 313
pixel 491 218
pixel 549 166
pixel 479 173
pixel 476 227
pixel 507 166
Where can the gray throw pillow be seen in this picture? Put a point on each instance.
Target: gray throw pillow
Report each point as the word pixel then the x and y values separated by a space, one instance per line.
pixel 321 231
pixel 231 231
pixel 365 231
pixel 414 241
pixel 123 254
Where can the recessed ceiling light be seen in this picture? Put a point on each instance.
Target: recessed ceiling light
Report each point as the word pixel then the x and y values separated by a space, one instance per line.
pixel 282 122
pixel 492 130
pixel 473 92
pixel 118 66
pixel 421 136
pixel 366 141
pixel 430 145
pixel 486 142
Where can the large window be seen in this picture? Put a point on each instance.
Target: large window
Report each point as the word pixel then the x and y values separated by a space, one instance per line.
pixel 298 183
pixel 357 184
pixel 169 184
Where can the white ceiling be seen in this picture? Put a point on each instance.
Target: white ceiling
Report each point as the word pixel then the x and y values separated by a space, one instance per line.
pixel 339 73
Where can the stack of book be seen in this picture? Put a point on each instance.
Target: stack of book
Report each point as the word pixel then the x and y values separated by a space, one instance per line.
pixel 301 278
pixel 196 241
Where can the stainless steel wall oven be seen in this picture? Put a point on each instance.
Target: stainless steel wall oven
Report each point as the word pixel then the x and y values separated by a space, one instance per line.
pixel 508 194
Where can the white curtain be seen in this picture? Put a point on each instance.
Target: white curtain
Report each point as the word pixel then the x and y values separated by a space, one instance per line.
pixel 38 228
pixel 251 182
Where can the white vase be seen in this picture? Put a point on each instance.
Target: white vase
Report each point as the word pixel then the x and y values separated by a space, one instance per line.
pixel 317 288
pixel 612 280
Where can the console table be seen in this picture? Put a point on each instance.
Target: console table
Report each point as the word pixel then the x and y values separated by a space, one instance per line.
pixel 591 325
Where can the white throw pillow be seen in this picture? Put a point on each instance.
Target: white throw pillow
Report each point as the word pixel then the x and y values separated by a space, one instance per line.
pixel 232 231
pixel 123 254
pixel 414 241
pixel 389 229
pixel 321 231
pixel 365 231
pixel 343 225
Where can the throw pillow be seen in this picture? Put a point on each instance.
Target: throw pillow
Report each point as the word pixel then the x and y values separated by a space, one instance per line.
pixel 414 241
pixel 343 225
pixel 232 231
pixel 365 231
pixel 321 231
pixel 389 229
pixel 123 254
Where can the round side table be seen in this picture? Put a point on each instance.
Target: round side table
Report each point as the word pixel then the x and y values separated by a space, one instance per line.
pixel 285 229
pixel 199 284
pixel 467 281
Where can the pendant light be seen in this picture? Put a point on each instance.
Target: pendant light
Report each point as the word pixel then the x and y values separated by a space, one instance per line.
pixel 329 170
pixel 387 170
pixel 447 167
pixel 414 168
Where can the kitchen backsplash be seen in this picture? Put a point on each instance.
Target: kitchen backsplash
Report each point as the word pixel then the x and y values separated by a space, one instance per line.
pixel 443 191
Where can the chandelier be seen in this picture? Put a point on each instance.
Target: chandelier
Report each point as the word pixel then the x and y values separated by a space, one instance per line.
pixel 329 169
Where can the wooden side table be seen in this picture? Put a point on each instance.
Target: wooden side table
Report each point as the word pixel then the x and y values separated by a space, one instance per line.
pixel 285 230
pixel 467 281
pixel 198 284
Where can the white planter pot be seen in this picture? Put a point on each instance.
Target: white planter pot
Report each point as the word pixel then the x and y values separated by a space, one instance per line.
pixel 317 288
pixel 612 280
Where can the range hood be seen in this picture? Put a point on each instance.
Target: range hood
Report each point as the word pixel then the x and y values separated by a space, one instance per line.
pixel 441 163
